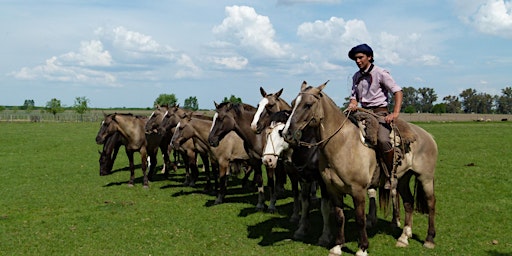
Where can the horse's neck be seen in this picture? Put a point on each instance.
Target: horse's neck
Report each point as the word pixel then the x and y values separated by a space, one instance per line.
pixel 334 121
pixel 201 128
pixel 283 105
pixel 252 141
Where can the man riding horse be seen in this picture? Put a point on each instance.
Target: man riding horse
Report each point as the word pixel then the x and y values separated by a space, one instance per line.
pixel 371 86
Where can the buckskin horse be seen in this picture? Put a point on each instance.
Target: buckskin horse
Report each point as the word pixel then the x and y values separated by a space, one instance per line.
pixel 131 128
pixel 187 148
pixel 347 165
pixel 230 149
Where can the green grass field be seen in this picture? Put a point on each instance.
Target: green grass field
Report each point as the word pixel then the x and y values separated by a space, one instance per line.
pixel 53 202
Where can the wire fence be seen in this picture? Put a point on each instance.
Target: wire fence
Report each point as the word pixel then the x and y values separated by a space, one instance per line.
pixel 66 116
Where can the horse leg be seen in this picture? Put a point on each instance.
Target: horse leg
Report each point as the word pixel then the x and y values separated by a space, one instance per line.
pixel 340 226
pixel 167 159
pixel 408 200
pixel 129 153
pixel 428 195
pixel 359 198
pixel 258 178
pixel 326 209
pixel 144 162
pixel 152 163
pixel 223 169
pixel 206 165
pixel 294 179
pixel 280 178
pixel 271 183
pixel 305 199
pixel 371 218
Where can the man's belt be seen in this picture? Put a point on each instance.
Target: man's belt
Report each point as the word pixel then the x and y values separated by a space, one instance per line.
pixel 377 109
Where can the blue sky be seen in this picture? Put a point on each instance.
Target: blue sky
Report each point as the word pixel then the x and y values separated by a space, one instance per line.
pixel 126 53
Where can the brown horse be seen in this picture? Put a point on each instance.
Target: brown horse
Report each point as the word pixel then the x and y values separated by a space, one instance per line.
pixel 109 153
pixel 158 136
pixel 268 105
pixel 230 149
pixel 131 129
pixel 187 148
pixel 237 117
pixel 347 165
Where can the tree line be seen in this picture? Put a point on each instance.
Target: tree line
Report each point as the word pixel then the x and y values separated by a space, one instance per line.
pixel 420 100
pixel 468 101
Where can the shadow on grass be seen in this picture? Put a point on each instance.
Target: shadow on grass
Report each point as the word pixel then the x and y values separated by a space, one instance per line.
pixel 496 253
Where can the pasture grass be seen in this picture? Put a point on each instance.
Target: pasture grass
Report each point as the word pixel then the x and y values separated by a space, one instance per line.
pixel 53 202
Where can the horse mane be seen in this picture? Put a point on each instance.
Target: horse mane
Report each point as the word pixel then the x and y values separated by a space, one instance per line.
pixel 280 116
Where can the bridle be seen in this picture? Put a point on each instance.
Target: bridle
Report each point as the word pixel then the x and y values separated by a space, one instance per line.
pixel 299 131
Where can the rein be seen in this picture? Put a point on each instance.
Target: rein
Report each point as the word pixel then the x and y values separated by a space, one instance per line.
pixel 310 145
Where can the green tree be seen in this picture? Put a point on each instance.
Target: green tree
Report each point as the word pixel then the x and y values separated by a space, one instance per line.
pixel 439 108
pixel 504 102
pixel 410 109
pixel 452 103
pixel 427 97
pixel 2 108
pixel 81 106
pixel 232 99
pixel 191 103
pixel 53 106
pixel 410 98
pixel 166 99
pixel 28 105
pixel 469 100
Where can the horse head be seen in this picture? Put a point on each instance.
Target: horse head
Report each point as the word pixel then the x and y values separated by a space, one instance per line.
pixel 107 128
pixel 224 121
pixel 269 104
pixel 154 123
pixel 306 112
pixel 182 132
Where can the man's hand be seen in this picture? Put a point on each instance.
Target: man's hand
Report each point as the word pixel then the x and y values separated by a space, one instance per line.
pixel 391 117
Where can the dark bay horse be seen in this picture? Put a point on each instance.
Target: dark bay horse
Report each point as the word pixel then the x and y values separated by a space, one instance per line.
pixel 237 117
pixel 131 128
pixel 230 149
pixel 270 103
pixel 303 161
pixel 347 165
pixel 158 136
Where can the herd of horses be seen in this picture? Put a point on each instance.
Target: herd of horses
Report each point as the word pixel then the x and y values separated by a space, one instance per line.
pixel 310 141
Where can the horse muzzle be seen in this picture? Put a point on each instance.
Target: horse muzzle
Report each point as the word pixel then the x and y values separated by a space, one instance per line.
pixel 292 137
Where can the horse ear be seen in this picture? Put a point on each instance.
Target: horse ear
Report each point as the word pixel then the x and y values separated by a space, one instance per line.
pixel 278 94
pixel 304 85
pixel 322 86
pixel 263 92
pixel 216 105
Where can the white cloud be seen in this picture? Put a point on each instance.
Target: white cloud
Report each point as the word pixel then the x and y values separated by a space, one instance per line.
pixel 187 68
pixel 335 32
pixel 292 2
pixel 492 17
pixel 251 31
pixel 90 54
pixel 235 62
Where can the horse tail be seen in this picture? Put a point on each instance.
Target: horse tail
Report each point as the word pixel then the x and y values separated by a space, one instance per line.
pixel 384 200
pixel 420 197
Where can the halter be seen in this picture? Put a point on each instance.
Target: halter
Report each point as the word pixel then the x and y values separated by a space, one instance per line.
pixel 268 132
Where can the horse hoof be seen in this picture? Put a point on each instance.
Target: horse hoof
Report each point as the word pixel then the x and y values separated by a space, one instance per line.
pixel 260 207
pixel 146 187
pixel 130 185
pixel 429 245
pixel 299 235
pixel 401 244
pixel 335 251
pixel 361 253
pixel 294 219
pixel 272 210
